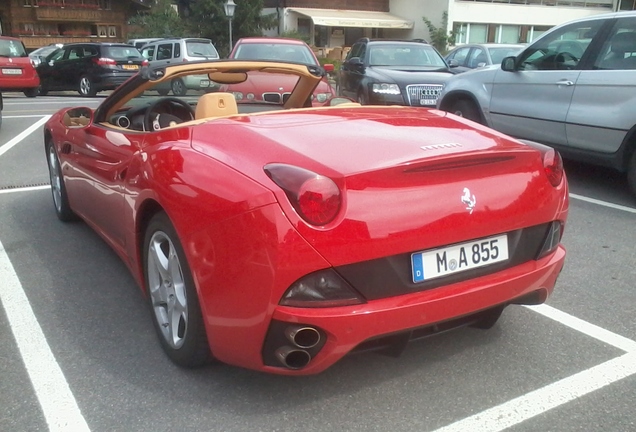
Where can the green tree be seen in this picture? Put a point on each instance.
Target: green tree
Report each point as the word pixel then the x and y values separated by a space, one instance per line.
pixel 208 19
pixel 440 39
pixel 161 20
pixel 295 34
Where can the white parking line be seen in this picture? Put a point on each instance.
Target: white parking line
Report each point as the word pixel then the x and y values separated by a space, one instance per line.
pixel 586 328
pixel 24 189
pixel 23 134
pixel 603 203
pixel 544 399
pixel 51 388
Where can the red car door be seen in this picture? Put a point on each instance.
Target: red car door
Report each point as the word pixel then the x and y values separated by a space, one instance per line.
pixel 100 159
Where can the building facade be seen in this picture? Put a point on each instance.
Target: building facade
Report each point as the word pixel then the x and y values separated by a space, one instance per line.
pixel 43 22
pixel 332 23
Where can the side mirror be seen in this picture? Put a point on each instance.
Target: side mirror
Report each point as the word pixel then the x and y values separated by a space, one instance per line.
pixel 356 63
pixel 452 63
pixel 328 67
pixel 508 64
pixel 51 62
pixel 77 117
pixel 481 64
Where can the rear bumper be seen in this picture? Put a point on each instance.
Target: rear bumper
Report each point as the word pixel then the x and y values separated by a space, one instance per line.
pixel 348 327
pixel 111 81
pixel 18 84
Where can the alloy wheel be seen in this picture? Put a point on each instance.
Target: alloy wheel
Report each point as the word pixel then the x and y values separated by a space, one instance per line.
pixel 56 181
pixel 167 289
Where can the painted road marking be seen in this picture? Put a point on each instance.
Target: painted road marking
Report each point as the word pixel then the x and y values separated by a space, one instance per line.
pixel 24 189
pixel 537 402
pixel 51 388
pixel 603 203
pixel 586 328
pixel 6 147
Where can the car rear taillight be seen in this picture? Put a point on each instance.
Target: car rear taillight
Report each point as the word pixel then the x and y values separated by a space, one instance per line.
pixel 185 59
pixel 316 198
pixel 553 167
pixel 104 61
pixel 145 63
pixel 324 288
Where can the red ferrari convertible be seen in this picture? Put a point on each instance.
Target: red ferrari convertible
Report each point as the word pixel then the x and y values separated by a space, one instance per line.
pixel 283 237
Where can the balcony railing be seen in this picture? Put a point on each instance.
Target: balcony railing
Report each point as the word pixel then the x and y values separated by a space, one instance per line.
pixel 67 14
pixel 572 3
pixel 32 42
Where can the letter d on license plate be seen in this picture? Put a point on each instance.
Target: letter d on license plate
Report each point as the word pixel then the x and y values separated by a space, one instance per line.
pixel 440 262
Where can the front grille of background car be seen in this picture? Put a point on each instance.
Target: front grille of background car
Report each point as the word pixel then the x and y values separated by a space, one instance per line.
pixel 392 276
pixel 420 92
pixel 272 97
pixel 275 97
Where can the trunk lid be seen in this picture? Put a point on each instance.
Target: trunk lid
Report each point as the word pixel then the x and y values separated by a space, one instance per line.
pixel 412 180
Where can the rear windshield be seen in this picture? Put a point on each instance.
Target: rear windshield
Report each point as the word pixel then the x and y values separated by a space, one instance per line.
pixel 121 52
pixel 12 48
pixel 201 49
pixel 275 51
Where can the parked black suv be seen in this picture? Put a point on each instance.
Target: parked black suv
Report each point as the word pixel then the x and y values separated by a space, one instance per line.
pixel 89 67
pixel 393 72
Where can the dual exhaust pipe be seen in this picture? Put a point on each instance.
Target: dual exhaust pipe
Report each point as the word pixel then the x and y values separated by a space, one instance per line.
pixel 302 339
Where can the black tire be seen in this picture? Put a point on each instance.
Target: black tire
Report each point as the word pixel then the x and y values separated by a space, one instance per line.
pixel 32 92
pixel 178 88
pixel 58 188
pixel 631 173
pixel 171 291
pixel 86 87
pixel 43 91
pixel 467 109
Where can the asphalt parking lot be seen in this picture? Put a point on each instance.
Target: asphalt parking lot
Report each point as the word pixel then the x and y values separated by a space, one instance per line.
pixel 78 351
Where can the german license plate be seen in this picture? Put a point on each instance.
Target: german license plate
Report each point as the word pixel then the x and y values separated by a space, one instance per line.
pixel 440 262
pixel 8 71
pixel 204 83
pixel 131 67
pixel 428 101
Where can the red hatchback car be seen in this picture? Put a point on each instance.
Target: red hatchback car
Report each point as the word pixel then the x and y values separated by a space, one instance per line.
pixel 283 239
pixel 261 88
pixel 16 69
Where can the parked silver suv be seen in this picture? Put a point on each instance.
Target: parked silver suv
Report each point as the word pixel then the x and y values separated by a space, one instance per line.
pixel 573 89
pixel 169 51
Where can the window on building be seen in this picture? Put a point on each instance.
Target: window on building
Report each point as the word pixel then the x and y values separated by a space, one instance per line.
pixel 478 33
pixel 304 26
pixel 507 34
pixel 105 4
pixel 320 36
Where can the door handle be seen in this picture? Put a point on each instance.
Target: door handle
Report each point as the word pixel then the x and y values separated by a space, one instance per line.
pixel 565 83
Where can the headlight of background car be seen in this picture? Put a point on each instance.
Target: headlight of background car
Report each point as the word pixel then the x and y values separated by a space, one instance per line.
pixel 322 97
pixel 238 95
pixel 384 88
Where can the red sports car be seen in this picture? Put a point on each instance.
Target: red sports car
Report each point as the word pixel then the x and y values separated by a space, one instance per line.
pixel 282 240
pixel 259 88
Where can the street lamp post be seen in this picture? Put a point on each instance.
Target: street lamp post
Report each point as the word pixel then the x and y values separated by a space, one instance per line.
pixel 230 6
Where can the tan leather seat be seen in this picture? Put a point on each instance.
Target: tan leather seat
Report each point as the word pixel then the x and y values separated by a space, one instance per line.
pixel 216 105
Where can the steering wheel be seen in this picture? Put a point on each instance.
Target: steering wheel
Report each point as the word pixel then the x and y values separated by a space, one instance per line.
pixel 561 58
pixel 156 117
